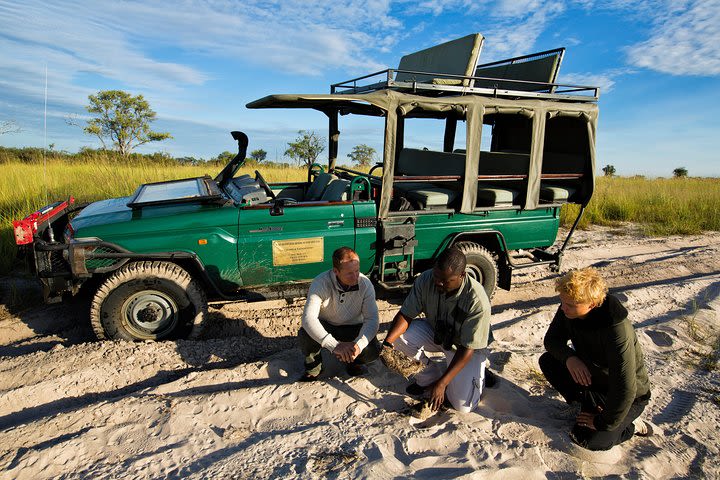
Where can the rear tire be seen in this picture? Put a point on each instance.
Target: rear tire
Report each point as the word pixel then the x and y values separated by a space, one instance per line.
pixel 148 301
pixel 481 266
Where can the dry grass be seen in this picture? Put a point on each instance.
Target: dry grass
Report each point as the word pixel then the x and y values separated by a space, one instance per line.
pixel 663 206
pixel 26 187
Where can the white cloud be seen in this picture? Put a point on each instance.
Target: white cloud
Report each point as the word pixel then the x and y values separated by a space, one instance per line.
pixel 605 81
pixel 685 41
pixel 515 35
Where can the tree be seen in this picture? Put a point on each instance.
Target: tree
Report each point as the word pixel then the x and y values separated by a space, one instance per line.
pixel 608 170
pixel 9 126
pixel 306 147
pixel 258 155
pixel 122 119
pixel 225 157
pixel 362 155
pixel 680 172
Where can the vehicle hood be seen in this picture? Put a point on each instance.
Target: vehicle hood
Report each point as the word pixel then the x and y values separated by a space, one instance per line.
pixel 114 217
pixel 103 212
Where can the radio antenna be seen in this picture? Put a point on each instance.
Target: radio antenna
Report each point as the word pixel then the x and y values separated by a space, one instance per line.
pixel 47 200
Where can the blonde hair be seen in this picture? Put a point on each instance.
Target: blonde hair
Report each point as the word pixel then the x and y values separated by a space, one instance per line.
pixel 583 286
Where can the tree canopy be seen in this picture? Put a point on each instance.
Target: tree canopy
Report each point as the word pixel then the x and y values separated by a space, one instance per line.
pixel 362 155
pixel 680 172
pixel 609 170
pixel 122 120
pixel 258 155
pixel 306 148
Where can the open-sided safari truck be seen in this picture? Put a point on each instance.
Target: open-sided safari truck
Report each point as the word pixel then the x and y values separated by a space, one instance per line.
pixel 515 147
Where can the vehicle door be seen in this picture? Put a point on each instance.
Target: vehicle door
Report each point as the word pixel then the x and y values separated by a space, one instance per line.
pixel 291 243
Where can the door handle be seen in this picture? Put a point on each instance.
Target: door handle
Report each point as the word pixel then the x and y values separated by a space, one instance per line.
pixel 336 223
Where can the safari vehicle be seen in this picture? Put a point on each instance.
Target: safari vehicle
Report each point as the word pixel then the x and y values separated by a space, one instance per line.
pixel 513 148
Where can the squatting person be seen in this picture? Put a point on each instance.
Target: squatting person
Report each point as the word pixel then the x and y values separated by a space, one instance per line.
pixel 604 369
pixel 341 316
pixel 456 323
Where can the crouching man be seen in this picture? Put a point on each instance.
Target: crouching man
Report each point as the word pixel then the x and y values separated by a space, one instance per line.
pixel 456 324
pixel 341 316
pixel 604 369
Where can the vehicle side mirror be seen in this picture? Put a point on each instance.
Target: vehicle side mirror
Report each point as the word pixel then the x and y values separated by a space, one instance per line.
pixel 278 206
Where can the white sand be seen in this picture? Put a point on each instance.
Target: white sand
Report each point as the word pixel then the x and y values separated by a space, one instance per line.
pixel 228 407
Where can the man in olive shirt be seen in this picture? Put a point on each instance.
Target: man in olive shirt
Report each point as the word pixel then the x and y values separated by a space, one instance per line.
pixel 604 369
pixel 456 323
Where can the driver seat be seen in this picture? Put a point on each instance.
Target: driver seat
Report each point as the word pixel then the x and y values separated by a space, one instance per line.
pixel 318 186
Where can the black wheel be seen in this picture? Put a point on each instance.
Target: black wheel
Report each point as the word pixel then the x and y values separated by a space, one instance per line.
pixel 264 185
pixel 148 301
pixel 480 265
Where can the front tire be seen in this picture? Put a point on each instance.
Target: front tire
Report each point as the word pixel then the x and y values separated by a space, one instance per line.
pixel 481 266
pixel 148 301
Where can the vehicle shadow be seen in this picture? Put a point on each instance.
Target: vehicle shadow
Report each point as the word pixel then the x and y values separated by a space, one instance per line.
pixel 28 325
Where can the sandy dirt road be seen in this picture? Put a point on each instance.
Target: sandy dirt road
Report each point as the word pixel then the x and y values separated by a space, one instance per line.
pixel 227 406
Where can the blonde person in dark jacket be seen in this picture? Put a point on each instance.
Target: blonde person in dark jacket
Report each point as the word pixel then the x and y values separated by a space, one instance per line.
pixel 603 368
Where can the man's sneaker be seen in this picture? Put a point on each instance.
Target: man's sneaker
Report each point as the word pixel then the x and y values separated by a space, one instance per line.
pixel 642 428
pixel 355 369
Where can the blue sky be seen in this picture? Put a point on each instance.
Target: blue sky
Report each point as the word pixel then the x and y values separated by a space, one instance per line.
pixel 199 62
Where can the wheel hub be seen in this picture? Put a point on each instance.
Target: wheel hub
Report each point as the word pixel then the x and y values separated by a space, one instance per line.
pixel 475 273
pixel 151 311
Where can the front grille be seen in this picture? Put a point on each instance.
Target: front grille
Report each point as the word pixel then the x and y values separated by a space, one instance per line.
pixel 51 263
pixel 94 264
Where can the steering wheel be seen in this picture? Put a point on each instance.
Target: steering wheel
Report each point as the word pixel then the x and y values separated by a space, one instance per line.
pixel 264 185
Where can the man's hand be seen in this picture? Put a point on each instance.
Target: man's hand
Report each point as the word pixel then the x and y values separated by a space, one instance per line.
pixel 437 394
pixel 587 420
pixel 578 371
pixel 346 351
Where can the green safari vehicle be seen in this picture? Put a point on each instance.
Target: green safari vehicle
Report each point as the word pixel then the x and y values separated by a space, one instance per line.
pixel 513 147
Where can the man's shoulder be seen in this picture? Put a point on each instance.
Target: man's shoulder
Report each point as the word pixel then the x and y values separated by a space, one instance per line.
pixel 322 281
pixel 424 278
pixel 365 283
pixel 474 295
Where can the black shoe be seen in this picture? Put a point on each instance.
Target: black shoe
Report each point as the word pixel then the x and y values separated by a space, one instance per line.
pixel 308 378
pixel 415 390
pixel 490 379
pixel 355 369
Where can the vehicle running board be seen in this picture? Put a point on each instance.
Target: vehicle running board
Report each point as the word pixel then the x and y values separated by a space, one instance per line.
pixel 532 258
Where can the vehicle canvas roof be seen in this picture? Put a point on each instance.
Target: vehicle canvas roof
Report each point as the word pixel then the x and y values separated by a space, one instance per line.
pixel 441 95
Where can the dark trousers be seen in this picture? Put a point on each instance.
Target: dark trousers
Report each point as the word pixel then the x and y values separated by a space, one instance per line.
pixel 342 333
pixel 559 377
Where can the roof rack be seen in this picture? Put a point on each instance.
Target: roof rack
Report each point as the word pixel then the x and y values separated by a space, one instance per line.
pixel 505 87
pixel 532 76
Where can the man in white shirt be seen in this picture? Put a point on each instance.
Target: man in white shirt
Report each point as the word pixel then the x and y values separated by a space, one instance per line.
pixel 341 316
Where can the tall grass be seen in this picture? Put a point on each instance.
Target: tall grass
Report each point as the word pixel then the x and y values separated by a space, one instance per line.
pixel 663 206
pixel 26 187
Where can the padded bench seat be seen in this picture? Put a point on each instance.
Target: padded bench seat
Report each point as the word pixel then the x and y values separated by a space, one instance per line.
pixel 430 196
pixel 556 194
pixel 490 196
